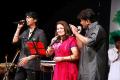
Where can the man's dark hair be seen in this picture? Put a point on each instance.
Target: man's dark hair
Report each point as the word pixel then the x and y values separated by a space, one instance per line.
pixel 116 38
pixel 87 14
pixel 32 14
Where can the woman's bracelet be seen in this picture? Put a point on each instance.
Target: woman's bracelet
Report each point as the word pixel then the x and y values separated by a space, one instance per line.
pixel 28 58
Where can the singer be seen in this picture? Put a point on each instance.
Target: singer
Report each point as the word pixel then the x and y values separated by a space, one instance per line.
pixel 64 46
pixel 31 39
pixel 93 61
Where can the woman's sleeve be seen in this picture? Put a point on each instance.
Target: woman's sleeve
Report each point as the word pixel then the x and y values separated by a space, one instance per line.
pixel 73 42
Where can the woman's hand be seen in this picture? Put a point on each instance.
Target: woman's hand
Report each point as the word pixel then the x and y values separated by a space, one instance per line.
pixel 23 61
pixel 49 51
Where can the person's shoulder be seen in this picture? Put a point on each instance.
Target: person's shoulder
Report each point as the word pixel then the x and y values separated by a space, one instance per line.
pixel 112 49
pixel 99 26
pixel 40 30
pixel 72 38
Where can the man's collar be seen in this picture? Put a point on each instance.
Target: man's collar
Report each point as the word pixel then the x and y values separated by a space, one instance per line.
pixel 92 25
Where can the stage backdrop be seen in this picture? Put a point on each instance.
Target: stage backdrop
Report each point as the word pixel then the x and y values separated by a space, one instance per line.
pixel 114 21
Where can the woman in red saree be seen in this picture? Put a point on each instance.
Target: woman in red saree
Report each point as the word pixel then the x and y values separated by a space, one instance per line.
pixel 66 53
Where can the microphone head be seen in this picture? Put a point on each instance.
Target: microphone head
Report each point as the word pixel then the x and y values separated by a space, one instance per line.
pixel 22 21
pixel 19 22
pixel 54 40
pixel 79 29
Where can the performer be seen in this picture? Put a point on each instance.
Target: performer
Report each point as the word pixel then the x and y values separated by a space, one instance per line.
pixel 33 43
pixel 114 59
pixel 93 60
pixel 64 46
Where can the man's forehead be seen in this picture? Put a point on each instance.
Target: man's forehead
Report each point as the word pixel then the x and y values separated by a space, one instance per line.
pixel 28 17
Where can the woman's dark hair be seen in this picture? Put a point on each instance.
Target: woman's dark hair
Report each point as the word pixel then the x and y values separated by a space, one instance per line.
pixel 87 14
pixel 67 29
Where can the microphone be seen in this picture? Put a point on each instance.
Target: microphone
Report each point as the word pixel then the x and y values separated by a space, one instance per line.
pixel 54 40
pixel 79 29
pixel 19 22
